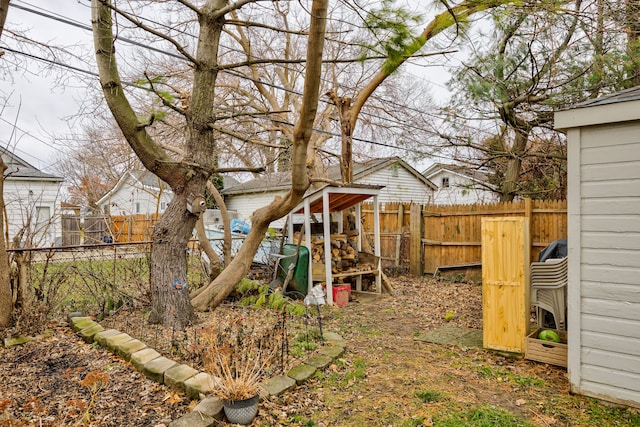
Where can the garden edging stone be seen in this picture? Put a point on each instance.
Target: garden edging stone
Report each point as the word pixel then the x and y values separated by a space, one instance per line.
pixel 193 383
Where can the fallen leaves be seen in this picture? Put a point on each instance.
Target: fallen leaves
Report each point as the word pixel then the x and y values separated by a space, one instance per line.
pixel 49 383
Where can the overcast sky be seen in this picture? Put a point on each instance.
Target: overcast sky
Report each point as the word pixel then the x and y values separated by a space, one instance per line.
pixel 37 100
pixel 41 103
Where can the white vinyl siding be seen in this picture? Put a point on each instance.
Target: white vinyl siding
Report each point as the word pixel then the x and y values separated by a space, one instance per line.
pixel 404 187
pixel 400 185
pixel 460 190
pixel 246 204
pixel 26 202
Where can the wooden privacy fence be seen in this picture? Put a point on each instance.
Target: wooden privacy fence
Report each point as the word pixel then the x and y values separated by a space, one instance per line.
pixel 433 237
pixel 394 233
pixel 80 230
pixel 133 228
pixel 93 229
pixel 415 238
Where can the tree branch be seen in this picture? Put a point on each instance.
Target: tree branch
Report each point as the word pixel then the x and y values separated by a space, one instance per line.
pixel 243 138
pixel 152 156
pixel 148 29
pixel 162 98
pixel 439 23
pixel 234 6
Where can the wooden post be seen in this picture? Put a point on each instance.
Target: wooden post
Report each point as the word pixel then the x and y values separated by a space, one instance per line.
pixel 528 215
pixel 415 240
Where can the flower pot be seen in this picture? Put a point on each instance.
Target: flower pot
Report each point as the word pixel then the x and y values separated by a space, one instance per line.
pixel 241 411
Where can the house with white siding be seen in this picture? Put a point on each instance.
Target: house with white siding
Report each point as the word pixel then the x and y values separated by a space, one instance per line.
pixel 136 192
pixel 400 182
pixel 459 185
pixel 603 323
pixel 32 203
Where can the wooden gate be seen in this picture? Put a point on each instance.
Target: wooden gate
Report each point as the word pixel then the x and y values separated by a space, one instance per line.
pixel 71 230
pixel 505 283
pixel 96 230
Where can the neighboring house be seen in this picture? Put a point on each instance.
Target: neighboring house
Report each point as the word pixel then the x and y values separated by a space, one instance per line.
pixel 137 192
pixel 402 183
pixel 32 200
pixel 459 185
pixel 603 157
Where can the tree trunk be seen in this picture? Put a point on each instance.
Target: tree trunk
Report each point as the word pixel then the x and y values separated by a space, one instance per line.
pixel 215 265
pixel 6 298
pixel 226 223
pixel 170 298
pixel 170 303
pixel 509 186
pixel 343 104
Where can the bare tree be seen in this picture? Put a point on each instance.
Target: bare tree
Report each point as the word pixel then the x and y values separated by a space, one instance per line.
pixel 6 299
pixel 93 166
pixel 399 47
pixel 187 177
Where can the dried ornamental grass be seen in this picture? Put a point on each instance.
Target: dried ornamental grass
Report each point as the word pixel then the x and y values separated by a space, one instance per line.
pixel 239 354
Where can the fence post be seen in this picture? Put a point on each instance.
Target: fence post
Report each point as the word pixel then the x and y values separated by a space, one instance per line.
pixel 415 240
pixel 528 214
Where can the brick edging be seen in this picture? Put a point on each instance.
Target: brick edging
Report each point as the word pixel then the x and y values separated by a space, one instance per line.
pixel 193 383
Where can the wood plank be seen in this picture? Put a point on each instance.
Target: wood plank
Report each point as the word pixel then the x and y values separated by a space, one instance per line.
pixel 610 274
pixel 611 223
pixel 604 240
pixel 415 243
pixel 608 393
pixel 610 256
pixel 611 291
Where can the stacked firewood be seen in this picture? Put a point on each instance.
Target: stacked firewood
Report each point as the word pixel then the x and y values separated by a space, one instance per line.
pixel 344 252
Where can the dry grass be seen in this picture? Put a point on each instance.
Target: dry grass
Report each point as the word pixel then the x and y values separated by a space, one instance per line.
pixel 240 353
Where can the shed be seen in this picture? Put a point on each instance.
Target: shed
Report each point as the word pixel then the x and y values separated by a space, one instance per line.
pixel 603 140
pixel 332 199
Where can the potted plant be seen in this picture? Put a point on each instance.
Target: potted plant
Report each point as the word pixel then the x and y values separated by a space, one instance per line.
pixel 239 357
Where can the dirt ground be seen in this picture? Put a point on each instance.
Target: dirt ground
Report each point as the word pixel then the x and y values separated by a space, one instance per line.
pixel 378 382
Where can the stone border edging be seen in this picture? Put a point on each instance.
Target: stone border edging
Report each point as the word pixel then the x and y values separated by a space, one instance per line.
pixel 193 383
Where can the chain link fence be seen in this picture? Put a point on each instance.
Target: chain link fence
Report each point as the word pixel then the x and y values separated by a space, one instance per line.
pixel 94 279
pixel 110 282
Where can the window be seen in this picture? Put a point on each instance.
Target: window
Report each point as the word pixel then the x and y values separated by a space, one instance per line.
pixel 163 206
pixel 43 215
pixel 43 220
pixel 445 182
pixel 138 208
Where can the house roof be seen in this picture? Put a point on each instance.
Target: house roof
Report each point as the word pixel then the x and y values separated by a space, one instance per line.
pixel 280 181
pixel 20 168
